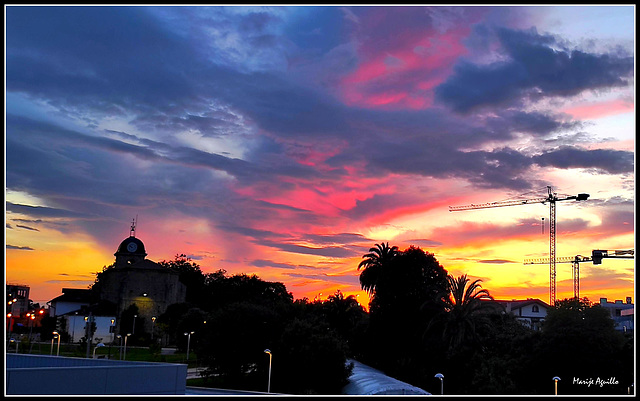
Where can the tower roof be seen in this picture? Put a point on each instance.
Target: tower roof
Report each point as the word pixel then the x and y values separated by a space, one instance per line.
pixel 131 246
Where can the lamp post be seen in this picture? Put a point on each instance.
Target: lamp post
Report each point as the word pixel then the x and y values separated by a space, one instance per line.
pixel 120 347
pixel 31 317
pixel 98 345
pixel 10 317
pixel 188 342
pixel 441 377
pixel 125 346
pixel 73 335
pixel 268 351
pixel 14 341
pixel 58 351
pixel 153 325
pixel 111 329
pixel 133 331
pixel 55 334
pixel 556 379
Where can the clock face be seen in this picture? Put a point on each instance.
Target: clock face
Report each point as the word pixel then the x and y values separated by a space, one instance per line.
pixel 131 247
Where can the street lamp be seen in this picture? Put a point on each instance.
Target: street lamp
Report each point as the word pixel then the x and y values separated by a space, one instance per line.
pixel 10 317
pixel 73 335
pixel 55 334
pixel 268 351
pixel 98 345
pixel 133 331
pixel 58 351
pixel 153 325
pixel 556 379
pixel 111 329
pixel 441 377
pixel 31 317
pixel 188 342
pixel 120 347
pixel 14 341
pixel 125 346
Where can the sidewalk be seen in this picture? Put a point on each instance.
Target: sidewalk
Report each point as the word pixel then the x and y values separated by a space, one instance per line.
pixel 194 373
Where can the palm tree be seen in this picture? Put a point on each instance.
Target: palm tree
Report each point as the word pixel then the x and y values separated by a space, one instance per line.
pixel 373 264
pixel 465 309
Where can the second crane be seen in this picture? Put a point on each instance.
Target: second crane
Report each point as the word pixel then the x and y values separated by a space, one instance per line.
pixel 551 198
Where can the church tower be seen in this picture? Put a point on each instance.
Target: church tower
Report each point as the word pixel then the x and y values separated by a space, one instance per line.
pixel 131 250
pixel 140 281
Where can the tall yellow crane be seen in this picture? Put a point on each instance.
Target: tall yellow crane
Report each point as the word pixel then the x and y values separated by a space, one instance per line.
pixel 551 198
pixel 596 258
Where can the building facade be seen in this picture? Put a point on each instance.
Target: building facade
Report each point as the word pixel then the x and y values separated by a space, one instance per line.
pixel 135 280
pixel 621 312
pixel 131 280
pixel 530 312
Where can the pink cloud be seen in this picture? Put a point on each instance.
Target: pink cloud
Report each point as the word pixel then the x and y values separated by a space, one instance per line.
pixel 600 109
pixel 402 71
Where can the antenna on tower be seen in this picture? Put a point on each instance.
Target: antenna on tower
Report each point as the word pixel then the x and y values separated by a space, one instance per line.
pixel 133 227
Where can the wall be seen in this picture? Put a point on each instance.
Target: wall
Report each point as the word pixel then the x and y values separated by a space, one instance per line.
pixel 62 376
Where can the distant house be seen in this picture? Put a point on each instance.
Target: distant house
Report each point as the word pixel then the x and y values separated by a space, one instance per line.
pixel 621 313
pixel 531 312
pixel 73 310
pixel 71 300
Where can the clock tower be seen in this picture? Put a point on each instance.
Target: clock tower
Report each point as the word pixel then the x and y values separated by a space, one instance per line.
pixel 131 250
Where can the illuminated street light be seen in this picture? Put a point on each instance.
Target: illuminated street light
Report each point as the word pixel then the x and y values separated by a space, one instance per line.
pixel 556 379
pixel 125 346
pixel 153 325
pixel 98 345
pixel 58 335
pixel 120 337
pixel 14 341
pixel 441 377
pixel 188 342
pixel 55 334
pixel 111 329
pixel 268 351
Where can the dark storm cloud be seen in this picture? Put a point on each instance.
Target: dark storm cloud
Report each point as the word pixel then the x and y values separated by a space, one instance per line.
pixel 27 227
pixel 329 251
pixel 496 261
pixel 41 211
pixel 341 279
pixel 536 67
pixel 608 160
pixel 19 248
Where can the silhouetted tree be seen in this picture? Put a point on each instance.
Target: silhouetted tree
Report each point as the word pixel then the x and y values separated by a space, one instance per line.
pixel 222 290
pixel 167 323
pixel 234 341
pixel 310 358
pixel 405 297
pixel 190 275
pixel 373 265
pixel 465 308
pixel 580 341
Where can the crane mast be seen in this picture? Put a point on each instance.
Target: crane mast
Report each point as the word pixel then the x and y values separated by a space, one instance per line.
pixel 596 258
pixel 552 198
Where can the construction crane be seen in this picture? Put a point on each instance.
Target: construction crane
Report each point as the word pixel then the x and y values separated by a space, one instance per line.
pixel 596 257
pixel 551 198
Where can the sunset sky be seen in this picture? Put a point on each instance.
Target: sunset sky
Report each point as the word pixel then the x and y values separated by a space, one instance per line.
pixel 287 141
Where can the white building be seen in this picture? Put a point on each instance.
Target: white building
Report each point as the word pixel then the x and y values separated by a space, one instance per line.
pixel 531 312
pixel 621 313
